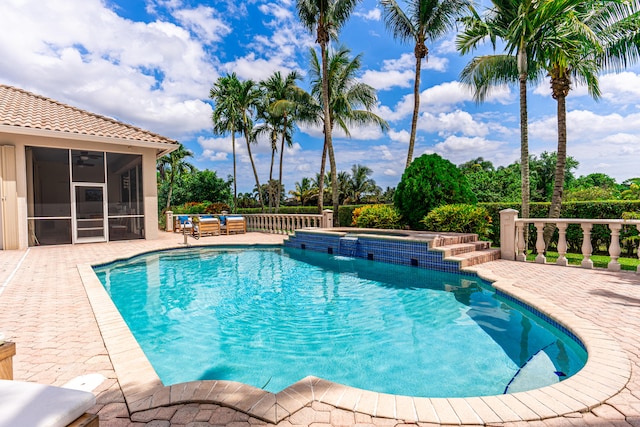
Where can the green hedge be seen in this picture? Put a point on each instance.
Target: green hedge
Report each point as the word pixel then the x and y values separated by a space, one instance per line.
pixel 600 235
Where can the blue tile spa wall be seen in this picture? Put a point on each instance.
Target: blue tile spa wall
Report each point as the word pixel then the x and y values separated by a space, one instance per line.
pixel 412 253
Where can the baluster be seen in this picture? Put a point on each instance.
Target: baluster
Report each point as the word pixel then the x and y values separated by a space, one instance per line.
pixel 540 258
pixel 638 269
pixel 562 244
pixel 272 225
pixel 614 247
pixel 586 246
pixel 520 255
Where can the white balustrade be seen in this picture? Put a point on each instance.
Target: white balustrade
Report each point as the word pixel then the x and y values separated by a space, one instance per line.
pixel 285 223
pixel 512 238
pixel 562 245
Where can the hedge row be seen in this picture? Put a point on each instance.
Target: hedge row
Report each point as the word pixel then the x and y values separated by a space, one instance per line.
pixel 600 234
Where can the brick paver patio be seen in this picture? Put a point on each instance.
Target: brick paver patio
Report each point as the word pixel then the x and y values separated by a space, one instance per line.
pixel 45 310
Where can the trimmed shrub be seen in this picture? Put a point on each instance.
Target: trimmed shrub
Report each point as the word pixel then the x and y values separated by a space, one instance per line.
pixel 459 218
pixel 430 181
pixel 376 216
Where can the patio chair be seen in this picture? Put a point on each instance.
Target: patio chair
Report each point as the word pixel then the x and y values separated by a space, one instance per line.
pixel 207 225
pixel 235 224
pixel 183 223
pixel 39 405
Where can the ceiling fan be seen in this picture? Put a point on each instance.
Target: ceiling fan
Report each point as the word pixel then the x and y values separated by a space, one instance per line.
pixel 83 159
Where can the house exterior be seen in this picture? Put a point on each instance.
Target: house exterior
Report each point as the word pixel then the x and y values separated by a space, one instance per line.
pixel 69 176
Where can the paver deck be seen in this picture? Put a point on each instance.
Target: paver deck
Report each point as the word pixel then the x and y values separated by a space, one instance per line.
pixel 46 310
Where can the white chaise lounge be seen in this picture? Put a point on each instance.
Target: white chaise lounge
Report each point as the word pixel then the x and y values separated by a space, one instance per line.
pixel 24 404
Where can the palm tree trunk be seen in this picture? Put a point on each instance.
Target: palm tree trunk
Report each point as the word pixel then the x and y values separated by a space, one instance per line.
pixel 235 180
pixel 270 186
pixel 255 172
pixel 524 155
pixel 280 170
pixel 170 191
pixel 558 187
pixel 323 166
pixel 416 110
pixel 327 132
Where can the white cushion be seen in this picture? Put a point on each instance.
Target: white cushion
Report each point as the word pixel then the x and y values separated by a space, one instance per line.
pixel 39 405
pixel 213 220
pixel 235 218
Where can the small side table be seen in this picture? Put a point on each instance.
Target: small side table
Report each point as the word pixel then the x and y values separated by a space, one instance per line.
pixel 7 351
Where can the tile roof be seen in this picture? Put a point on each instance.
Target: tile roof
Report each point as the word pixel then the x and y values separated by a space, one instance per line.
pixel 24 109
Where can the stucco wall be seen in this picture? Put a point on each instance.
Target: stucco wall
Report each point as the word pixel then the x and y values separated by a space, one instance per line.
pixel 148 165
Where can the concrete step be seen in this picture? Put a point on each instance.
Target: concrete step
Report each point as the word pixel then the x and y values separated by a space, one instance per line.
pixel 467 259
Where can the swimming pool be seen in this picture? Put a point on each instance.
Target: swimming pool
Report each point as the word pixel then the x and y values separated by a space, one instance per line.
pixel 270 317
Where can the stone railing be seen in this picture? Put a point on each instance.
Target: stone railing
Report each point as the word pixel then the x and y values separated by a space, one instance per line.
pixel 287 223
pixel 512 244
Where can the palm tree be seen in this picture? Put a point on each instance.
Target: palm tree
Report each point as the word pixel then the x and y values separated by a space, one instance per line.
pixel 326 18
pixel 288 102
pixel 350 101
pixel 248 97
pixel 587 37
pixel 517 24
pixel 424 20
pixel 360 184
pixel 226 116
pixel 269 125
pixel 305 191
pixel 174 165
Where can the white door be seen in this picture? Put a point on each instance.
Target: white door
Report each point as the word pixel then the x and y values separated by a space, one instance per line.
pixel 89 205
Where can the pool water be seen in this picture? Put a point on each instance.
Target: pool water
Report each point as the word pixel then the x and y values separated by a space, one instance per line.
pixel 270 317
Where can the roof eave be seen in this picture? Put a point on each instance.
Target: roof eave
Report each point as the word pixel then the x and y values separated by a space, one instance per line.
pixel 162 148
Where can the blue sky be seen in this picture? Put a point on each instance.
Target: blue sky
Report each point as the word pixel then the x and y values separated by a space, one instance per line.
pixel 151 63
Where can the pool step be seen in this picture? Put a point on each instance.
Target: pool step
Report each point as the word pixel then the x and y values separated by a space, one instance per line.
pixel 467 259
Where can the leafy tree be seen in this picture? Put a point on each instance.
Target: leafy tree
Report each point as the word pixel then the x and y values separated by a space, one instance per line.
pixel 633 192
pixel 172 166
pixel 350 101
pixel 424 20
pixel 543 175
pixel 326 18
pixel 430 181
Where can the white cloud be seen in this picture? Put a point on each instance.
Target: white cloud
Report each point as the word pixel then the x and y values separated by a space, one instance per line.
pixel 455 122
pixel 374 14
pixel 459 149
pixel 400 72
pixel 151 74
pixel 203 23
pixel 399 136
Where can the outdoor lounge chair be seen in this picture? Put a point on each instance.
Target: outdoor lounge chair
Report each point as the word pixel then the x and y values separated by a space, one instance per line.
pixel 235 224
pixel 39 405
pixel 183 223
pixel 207 225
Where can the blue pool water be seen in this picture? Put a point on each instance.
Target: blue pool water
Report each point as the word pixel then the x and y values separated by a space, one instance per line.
pixel 270 317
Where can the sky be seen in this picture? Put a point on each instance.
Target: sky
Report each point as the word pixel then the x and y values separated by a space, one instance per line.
pixel 151 63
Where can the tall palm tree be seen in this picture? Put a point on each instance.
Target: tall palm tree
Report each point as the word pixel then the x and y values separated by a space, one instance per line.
pixel 587 38
pixel 517 24
pixel 423 20
pixel 350 101
pixel 248 97
pixel 226 116
pixel 326 18
pixel 172 166
pixel 269 125
pixel 288 102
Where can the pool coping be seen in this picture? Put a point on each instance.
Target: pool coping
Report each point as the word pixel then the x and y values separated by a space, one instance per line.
pixel 605 373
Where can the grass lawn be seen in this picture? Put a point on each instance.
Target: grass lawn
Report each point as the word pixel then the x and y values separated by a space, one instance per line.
pixel 599 261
